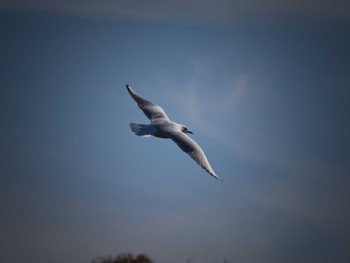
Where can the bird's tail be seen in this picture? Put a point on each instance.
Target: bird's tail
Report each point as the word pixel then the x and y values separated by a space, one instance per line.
pixel 141 129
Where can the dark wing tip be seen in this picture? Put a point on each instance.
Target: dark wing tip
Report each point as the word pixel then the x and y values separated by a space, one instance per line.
pixel 214 175
pixel 131 92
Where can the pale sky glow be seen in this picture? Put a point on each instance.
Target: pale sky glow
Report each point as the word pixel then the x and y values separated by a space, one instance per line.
pixel 262 84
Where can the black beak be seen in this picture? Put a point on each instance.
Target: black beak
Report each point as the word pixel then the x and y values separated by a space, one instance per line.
pixel 189 132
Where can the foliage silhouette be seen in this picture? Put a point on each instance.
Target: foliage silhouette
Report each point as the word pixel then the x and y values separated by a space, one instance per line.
pixel 124 258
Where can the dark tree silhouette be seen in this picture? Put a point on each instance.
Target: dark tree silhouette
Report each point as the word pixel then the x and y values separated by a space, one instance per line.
pixel 124 258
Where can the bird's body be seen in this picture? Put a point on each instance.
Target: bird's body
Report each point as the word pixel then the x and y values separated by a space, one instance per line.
pixel 158 128
pixel 162 127
pixel 163 130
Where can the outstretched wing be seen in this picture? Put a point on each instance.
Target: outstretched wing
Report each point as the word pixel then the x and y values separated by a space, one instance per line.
pixel 190 147
pixel 151 110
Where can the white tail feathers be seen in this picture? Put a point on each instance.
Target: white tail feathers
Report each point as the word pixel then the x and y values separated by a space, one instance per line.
pixel 141 129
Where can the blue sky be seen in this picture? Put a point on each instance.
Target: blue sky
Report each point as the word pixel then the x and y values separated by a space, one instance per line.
pixel 262 84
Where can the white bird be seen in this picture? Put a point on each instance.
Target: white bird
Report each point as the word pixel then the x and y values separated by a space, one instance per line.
pixel 162 127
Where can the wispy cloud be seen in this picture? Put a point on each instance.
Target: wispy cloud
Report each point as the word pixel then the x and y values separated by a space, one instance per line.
pixel 230 110
pixel 234 94
pixel 222 108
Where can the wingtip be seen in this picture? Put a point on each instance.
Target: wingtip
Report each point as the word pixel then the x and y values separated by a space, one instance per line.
pixel 217 177
pixel 128 87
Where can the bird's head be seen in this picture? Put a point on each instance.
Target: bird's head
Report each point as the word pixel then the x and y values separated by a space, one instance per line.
pixel 185 129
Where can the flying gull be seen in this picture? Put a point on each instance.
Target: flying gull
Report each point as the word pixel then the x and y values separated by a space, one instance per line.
pixel 162 127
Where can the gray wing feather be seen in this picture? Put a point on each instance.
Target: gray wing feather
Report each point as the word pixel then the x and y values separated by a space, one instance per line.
pixel 151 110
pixel 190 147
